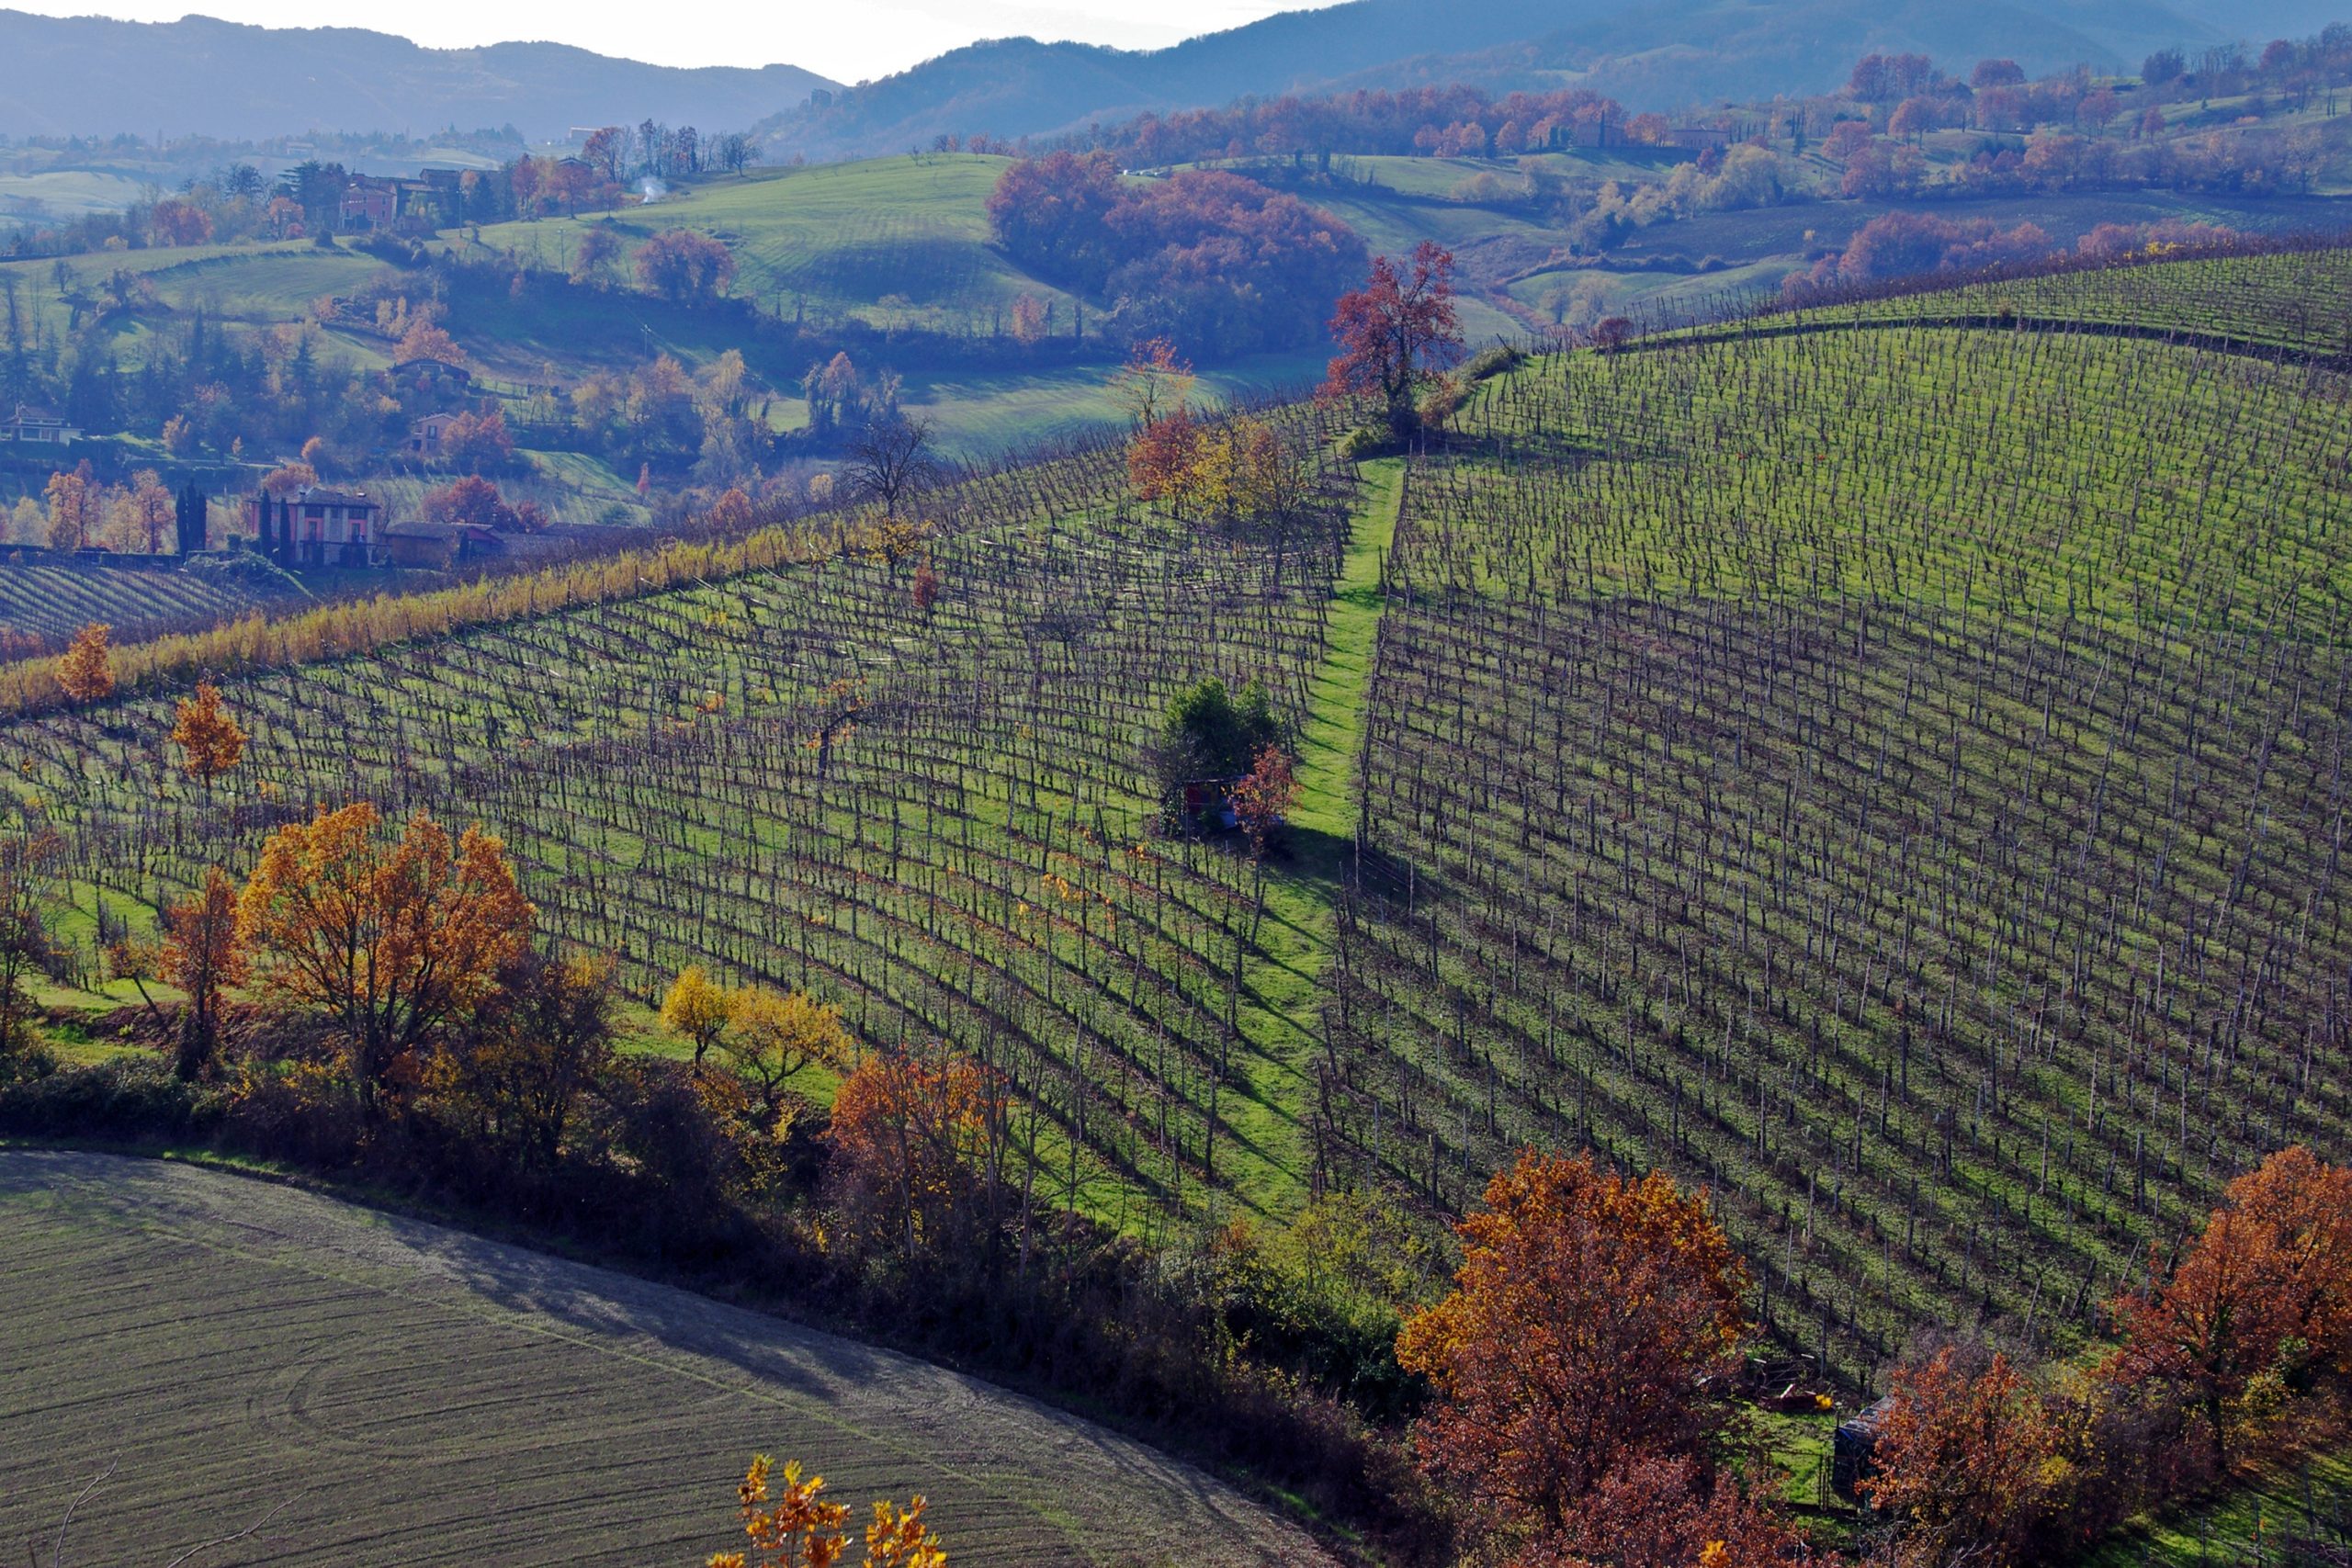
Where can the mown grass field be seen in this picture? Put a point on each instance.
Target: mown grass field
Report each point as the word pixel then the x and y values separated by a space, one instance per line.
pixel 896 242
pixel 389 1392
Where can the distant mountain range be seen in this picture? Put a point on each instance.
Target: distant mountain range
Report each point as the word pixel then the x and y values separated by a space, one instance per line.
pixel 1663 54
pixel 89 75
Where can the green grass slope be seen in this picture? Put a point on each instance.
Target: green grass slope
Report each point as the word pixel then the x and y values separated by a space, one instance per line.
pixel 389 1392
pixel 894 242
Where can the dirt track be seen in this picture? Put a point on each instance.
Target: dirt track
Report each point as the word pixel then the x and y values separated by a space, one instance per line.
pixel 413 1394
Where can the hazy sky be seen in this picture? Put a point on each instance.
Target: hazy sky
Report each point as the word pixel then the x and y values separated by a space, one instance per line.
pixel 846 39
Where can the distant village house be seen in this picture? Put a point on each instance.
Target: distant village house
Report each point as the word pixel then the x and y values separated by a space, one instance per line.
pixel 316 526
pixel 384 204
pixel 38 426
pixel 426 435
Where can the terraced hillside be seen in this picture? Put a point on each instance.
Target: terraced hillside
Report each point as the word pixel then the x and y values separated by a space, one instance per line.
pixel 1896 777
pixel 382 1391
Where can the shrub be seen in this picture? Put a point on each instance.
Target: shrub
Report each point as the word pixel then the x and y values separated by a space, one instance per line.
pixel 129 1097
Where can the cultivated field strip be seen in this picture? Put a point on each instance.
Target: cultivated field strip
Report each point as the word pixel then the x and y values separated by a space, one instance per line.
pixel 941 820
pixel 415 1395
pixel 1897 778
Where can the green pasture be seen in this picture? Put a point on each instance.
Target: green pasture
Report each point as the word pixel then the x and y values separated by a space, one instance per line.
pixel 67 193
pixel 987 414
pixel 894 242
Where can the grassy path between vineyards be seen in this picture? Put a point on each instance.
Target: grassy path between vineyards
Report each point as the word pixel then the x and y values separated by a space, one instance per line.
pixel 1281 973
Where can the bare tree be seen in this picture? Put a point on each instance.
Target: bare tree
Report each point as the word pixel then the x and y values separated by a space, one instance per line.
pixel 890 458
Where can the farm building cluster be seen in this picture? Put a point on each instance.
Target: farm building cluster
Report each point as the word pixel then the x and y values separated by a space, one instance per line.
pixel 318 525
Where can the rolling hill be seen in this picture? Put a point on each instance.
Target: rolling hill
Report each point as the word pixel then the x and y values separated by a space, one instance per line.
pixel 1645 54
pixel 1889 771
pixel 202 76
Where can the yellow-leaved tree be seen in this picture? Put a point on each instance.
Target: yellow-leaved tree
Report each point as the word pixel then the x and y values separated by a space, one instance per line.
pixel 773 1036
pixel 202 956
pixel 696 1007
pixel 85 671
pixel 387 941
pixel 792 1525
pixel 208 736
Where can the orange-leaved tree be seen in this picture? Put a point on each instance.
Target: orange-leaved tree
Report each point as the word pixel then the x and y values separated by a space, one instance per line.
pixel 388 940
pixel 1653 1512
pixel 210 739
pixel 1263 798
pixel 917 1149
pixel 86 670
pixel 2261 1297
pixel 1969 1459
pixel 1393 333
pixel 1162 456
pixel 792 1525
pixel 203 957
pixel 75 508
pixel 1590 1317
pixel 426 339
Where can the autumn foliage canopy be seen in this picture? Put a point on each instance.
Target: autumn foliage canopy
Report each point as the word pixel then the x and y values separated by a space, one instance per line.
pixel 210 739
pixel 792 1525
pixel 910 1136
pixel 2261 1300
pixel 85 672
pixel 1969 1457
pixel 2236 1354
pixel 1568 1363
pixel 390 940
pixel 1395 334
pixel 1205 256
